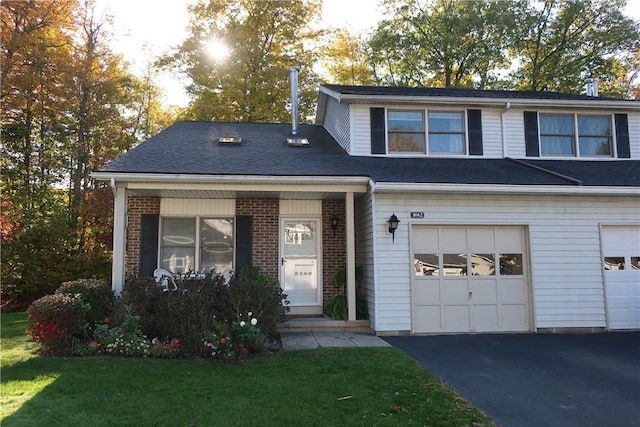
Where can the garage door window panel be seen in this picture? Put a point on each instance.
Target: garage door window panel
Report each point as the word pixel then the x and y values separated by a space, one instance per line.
pixel 454 264
pixel 511 265
pixel 426 265
pixel 483 264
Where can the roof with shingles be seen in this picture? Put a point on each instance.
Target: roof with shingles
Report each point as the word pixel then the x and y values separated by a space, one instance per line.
pixel 461 93
pixel 193 148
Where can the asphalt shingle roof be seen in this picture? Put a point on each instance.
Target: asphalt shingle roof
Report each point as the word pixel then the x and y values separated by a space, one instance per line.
pixel 193 148
pixel 460 92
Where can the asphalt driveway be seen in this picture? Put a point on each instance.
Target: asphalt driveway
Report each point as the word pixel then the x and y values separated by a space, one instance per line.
pixel 539 379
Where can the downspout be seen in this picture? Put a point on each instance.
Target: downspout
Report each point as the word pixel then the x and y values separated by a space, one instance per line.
pixel 507 107
pixel 113 187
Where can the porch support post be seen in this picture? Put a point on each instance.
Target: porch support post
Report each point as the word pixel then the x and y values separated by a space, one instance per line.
pixel 119 239
pixel 351 255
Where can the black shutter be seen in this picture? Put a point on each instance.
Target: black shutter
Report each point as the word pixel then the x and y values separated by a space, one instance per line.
pixel 474 123
pixel 531 134
pixel 622 136
pixel 378 131
pixel 244 244
pixel 149 226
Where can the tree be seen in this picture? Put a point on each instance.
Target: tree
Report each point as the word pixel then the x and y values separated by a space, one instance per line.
pixel 263 39
pixel 345 58
pixel 563 42
pixel 69 106
pixel 441 42
pixel 35 46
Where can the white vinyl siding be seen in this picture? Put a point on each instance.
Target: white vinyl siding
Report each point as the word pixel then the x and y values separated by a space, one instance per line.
pixel 300 207
pixel 564 253
pixel 492 133
pixel 337 122
pixel 202 207
pixel 360 130
pixel 364 252
pixel 514 133
pixel 634 134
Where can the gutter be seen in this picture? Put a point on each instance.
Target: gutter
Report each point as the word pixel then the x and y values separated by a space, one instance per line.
pixel 596 103
pixel 566 190
pixel 229 179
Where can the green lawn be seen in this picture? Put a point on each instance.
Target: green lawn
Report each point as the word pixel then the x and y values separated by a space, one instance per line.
pixel 320 387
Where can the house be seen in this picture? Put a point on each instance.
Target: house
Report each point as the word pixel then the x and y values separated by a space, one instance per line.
pixel 465 210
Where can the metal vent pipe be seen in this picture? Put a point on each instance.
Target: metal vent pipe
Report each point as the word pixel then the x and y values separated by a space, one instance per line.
pixel 293 74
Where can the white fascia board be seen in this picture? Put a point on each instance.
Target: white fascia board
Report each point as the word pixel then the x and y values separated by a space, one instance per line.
pixel 388 187
pixel 168 181
pixel 490 102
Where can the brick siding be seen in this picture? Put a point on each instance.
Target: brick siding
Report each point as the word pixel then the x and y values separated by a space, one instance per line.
pixel 137 205
pixel 334 250
pixel 265 213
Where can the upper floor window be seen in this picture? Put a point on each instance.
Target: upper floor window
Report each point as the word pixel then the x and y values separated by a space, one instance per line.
pixel 407 133
pixel 446 132
pixel 558 135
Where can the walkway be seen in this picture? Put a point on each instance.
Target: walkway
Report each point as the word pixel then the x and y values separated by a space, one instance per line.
pixel 313 339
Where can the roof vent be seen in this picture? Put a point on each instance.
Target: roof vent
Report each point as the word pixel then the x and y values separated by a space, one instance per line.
pixel 298 142
pixel 229 140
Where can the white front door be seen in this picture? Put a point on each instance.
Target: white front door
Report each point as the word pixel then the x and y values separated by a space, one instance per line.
pixel 299 265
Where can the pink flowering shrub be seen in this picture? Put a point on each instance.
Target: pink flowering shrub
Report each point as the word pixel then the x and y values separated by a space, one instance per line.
pixel 218 344
pixel 165 350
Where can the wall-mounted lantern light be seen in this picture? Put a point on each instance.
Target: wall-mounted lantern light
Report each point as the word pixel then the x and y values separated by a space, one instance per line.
pixel 393 222
pixel 334 224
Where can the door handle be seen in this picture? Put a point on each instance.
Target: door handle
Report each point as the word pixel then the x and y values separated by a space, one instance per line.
pixel 282 261
pixel 470 294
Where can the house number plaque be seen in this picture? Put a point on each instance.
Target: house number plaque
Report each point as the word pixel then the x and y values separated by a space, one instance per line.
pixel 417 214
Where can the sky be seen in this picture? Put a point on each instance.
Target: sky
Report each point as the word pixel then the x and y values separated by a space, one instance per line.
pixel 144 29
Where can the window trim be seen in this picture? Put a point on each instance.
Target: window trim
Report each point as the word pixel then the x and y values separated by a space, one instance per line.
pixel 425 118
pixel 197 246
pixel 575 136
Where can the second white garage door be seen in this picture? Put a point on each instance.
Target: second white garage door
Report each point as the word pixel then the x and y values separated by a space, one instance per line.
pixel 621 263
pixel 469 279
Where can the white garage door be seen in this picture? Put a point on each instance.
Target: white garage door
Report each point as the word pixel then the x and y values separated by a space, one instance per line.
pixel 621 263
pixel 469 279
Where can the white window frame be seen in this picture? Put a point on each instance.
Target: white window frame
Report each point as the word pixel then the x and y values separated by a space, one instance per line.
pixel 425 118
pixel 197 246
pixel 575 137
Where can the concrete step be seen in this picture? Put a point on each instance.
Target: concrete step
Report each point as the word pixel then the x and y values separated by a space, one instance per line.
pixel 325 324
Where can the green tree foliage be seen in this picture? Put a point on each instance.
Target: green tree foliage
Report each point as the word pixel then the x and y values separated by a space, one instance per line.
pixel 560 43
pixel 68 107
pixel 264 39
pixel 441 42
pixel 510 44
